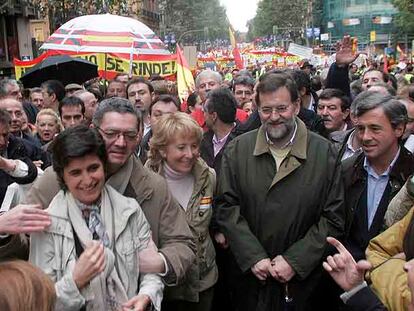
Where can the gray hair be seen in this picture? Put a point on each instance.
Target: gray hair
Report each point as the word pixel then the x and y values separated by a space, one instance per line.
pixel 4 86
pixel 386 87
pixel 393 109
pixel 208 74
pixel 116 104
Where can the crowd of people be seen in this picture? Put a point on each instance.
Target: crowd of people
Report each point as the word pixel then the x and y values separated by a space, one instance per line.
pixel 284 189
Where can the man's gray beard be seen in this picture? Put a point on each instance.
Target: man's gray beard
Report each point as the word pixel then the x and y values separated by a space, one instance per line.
pixel 278 134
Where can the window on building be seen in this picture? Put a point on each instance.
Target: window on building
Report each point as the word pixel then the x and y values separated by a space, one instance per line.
pixel 347 3
pixel 359 2
pixel 373 1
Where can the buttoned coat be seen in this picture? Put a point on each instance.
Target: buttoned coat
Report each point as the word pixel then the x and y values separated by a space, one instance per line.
pixel 264 212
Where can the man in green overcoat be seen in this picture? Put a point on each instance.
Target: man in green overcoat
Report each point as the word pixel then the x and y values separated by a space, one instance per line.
pixel 280 195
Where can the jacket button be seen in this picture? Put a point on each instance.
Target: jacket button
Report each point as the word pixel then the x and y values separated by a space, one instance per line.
pixel 201 214
pixel 201 238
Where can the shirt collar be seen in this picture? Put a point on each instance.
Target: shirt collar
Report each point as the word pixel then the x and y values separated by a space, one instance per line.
pixel 299 143
pixel 349 143
pixel 217 141
pixel 371 171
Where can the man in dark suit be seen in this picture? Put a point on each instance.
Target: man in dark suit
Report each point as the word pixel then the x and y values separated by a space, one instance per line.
pixel 372 178
pixel 220 115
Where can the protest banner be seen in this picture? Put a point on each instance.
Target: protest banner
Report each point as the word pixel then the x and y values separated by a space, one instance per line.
pixel 109 64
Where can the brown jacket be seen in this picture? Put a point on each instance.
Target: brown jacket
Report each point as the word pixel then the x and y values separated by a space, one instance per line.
pixel 170 231
pixel 203 273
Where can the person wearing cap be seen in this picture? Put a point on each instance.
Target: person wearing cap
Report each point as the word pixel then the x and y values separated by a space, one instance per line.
pixel 72 88
pixel 307 67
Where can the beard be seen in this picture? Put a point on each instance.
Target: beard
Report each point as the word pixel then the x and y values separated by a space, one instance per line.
pixel 279 133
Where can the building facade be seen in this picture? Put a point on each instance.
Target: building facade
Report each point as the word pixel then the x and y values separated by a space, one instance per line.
pixel 15 36
pixel 371 21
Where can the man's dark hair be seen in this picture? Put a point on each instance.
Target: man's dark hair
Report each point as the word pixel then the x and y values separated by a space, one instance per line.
pixel 302 80
pixel 243 80
pixel 391 78
pixel 5 118
pixel 192 99
pixel 223 102
pixel 118 105
pixel 165 98
pixel 139 80
pixel 54 87
pixel 76 142
pixel 273 82
pixel 335 93
pixel 71 101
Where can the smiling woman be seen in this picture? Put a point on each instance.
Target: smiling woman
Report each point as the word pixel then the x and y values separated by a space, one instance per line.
pixel 96 234
pixel 174 154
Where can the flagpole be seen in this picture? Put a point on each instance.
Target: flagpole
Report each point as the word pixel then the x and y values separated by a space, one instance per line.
pixel 105 85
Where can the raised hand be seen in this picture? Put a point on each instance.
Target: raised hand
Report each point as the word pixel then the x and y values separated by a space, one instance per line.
pixel 344 53
pixel 342 267
pixel 89 264
pixel 24 218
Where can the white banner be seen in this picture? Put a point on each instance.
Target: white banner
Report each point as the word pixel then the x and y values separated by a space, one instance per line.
pixel 300 50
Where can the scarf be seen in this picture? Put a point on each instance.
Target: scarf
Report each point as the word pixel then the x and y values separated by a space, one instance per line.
pixel 105 291
pixel 94 219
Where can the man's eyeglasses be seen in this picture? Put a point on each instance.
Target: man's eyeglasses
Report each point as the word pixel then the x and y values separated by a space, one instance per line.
pixel 269 110
pixel 115 134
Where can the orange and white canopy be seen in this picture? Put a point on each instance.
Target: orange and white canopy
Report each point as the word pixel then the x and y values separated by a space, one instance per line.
pixel 105 33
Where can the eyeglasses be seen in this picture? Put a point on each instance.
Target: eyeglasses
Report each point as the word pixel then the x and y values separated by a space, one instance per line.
pixel 115 134
pixel 269 110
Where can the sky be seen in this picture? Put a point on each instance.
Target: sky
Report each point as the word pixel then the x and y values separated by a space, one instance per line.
pixel 239 12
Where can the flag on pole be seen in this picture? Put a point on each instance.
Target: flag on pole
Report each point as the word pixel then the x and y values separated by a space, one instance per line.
pixel 236 53
pixel 185 79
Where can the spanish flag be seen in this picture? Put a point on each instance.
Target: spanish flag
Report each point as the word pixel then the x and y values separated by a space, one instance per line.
pixel 185 79
pixel 236 53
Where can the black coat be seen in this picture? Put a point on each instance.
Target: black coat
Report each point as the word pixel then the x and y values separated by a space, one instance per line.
pixel 35 152
pixel 207 149
pixel 16 150
pixel 356 180
pixel 365 300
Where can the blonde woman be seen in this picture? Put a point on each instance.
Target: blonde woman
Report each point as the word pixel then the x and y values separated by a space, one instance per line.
pixel 48 125
pixel 174 154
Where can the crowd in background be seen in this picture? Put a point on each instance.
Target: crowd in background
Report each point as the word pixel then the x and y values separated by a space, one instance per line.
pixel 267 189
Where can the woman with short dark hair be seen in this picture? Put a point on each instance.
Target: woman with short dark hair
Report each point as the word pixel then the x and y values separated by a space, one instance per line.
pixel 91 249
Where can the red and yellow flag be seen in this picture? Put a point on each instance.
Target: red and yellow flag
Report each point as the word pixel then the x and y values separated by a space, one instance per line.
pixel 236 53
pixel 185 79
